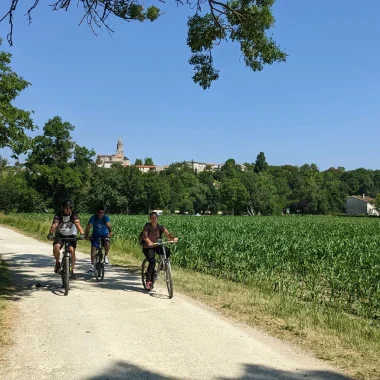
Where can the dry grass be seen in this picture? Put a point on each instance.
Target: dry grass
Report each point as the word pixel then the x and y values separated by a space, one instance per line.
pixel 350 344
pixel 7 309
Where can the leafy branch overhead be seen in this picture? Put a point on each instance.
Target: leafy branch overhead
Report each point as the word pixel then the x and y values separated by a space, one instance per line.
pixel 13 121
pixel 243 21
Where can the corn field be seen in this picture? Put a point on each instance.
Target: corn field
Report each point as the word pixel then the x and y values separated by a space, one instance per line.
pixel 329 260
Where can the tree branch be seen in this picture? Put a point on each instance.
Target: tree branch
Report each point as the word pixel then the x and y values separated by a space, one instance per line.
pixel 10 14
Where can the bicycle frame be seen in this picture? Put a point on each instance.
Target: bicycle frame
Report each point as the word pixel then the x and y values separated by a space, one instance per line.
pixel 162 261
pixel 66 251
pixel 162 264
pixel 65 270
pixel 99 261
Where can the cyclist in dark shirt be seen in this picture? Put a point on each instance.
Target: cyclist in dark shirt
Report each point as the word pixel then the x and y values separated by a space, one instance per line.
pixel 65 224
pixel 151 233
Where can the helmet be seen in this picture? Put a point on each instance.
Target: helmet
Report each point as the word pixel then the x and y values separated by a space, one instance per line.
pixel 67 203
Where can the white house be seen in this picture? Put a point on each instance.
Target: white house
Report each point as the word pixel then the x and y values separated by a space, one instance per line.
pixel 360 205
pixel 146 168
pixel 198 166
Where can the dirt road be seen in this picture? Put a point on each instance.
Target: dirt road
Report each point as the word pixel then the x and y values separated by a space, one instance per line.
pixel 115 330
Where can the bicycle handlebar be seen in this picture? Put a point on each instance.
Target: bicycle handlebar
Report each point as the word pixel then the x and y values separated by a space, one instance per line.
pixel 70 239
pixel 99 238
pixel 164 242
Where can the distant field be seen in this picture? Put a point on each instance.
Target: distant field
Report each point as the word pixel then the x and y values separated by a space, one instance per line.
pixel 329 260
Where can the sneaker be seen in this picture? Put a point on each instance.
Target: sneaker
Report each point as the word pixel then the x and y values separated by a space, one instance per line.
pixel 72 276
pixel 149 285
pixel 106 259
pixel 56 268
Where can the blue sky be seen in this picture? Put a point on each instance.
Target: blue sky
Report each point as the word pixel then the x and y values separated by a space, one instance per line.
pixel 322 106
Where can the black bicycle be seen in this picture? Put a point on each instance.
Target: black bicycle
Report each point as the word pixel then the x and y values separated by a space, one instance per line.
pixel 99 261
pixel 162 264
pixel 66 263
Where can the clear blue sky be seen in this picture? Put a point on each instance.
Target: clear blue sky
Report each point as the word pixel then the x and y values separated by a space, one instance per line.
pixel 322 106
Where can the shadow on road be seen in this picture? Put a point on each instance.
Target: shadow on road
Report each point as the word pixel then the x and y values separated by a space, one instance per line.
pixel 32 272
pixel 123 370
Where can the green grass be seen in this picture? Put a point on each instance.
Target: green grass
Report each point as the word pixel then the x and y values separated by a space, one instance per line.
pixel 339 248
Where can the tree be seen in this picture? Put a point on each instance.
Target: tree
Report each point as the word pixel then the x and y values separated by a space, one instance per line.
pixel 262 194
pixel 234 196
pixel 377 201
pixel 13 121
pixel 243 21
pixel 250 167
pixel 261 163
pixel 3 163
pixel 138 161
pixel 16 194
pixel 198 195
pixel 59 166
pixel 228 170
pixel 180 178
pixel 148 161
pixel 156 191
pixel 359 181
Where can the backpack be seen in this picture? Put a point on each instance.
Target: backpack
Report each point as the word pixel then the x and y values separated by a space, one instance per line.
pixel 140 237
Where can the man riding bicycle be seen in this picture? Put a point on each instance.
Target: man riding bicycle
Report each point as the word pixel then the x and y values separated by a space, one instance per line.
pixel 151 233
pixel 65 225
pixel 101 229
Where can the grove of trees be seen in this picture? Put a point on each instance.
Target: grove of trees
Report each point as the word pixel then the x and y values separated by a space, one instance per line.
pixel 56 168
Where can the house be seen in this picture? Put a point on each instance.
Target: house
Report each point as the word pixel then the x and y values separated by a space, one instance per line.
pixel 360 205
pixel 198 166
pixel 146 168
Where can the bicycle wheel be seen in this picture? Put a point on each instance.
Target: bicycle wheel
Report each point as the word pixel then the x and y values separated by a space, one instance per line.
pixel 66 274
pixel 169 279
pixel 144 273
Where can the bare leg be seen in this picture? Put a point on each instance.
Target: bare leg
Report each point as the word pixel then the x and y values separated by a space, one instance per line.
pixel 93 253
pixel 72 251
pixel 106 247
pixel 57 252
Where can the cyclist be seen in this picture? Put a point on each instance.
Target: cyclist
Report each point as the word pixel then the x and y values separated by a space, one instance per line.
pixel 101 228
pixel 151 233
pixel 65 224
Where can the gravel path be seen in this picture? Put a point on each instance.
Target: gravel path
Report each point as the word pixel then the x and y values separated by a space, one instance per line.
pixel 115 330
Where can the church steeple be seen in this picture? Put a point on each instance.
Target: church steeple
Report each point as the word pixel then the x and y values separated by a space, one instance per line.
pixel 119 148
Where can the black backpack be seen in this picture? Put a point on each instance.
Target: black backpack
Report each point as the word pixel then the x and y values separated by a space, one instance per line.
pixel 140 238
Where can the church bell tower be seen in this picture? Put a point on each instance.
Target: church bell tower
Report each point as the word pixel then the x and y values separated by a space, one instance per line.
pixel 119 149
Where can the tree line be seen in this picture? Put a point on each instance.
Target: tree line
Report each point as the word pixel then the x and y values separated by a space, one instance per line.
pixel 56 167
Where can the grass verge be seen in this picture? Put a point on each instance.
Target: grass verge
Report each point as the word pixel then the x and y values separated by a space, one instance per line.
pixel 5 306
pixel 346 342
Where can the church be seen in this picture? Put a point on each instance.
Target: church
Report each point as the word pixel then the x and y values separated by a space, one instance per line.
pixel 105 161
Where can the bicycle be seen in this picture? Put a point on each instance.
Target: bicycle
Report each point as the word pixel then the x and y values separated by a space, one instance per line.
pixel 162 264
pixel 64 269
pixel 99 261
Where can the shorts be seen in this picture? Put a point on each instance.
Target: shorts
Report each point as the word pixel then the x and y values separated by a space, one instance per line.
pixel 57 240
pixel 95 243
pixel 151 251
